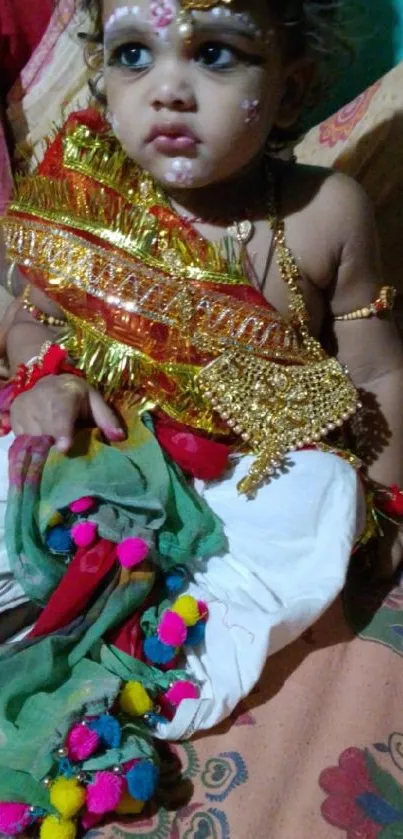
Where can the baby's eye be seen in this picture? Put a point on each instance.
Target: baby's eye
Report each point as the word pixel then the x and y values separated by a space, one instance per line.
pixel 216 56
pixel 131 57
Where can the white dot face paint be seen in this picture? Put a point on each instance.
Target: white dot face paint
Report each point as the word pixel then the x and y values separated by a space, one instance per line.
pixel 121 12
pixel 252 109
pixel 243 18
pixel 180 172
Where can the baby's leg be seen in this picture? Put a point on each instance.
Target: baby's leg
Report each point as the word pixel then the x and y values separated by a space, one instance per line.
pixel 288 555
pixel 12 596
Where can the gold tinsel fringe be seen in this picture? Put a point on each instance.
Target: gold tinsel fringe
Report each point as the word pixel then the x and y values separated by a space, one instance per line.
pixel 102 157
pixel 114 367
pixel 131 228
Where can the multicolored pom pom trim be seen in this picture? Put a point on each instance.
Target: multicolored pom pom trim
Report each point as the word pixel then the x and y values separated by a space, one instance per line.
pixel 79 797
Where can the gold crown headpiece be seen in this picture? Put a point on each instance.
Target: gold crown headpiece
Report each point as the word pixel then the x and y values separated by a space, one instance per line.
pixel 202 5
pixel 184 20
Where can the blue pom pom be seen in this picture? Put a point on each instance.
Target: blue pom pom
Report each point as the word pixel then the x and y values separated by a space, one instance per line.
pixel 176 580
pixel 157 652
pixel 153 720
pixel 195 634
pixel 58 539
pixel 142 780
pixel 108 730
pixel 66 768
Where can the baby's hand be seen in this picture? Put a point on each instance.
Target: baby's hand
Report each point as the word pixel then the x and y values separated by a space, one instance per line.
pixel 55 404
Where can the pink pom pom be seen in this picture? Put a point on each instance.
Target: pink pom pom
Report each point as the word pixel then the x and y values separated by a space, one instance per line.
pixel 84 533
pixel 14 818
pixel 180 691
pixel 104 794
pixel 82 505
pixel 90 820
pixel 132 551
pixel 172 629
pixel 203 609
pixel 81 742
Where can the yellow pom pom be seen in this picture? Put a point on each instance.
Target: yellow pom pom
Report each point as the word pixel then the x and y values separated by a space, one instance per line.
pixel 187 607
pixel 54 828
pixel 67 796
pixel 128 806
pixel 134 700
pixel 56 519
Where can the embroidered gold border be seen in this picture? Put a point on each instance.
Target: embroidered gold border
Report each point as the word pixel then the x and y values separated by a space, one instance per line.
pixel 209 320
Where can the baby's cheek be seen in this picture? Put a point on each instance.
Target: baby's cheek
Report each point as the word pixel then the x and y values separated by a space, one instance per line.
pixel 251 111
pixel 123 128
pixel 245 119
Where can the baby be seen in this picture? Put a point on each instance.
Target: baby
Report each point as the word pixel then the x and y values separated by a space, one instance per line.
pixel 197 269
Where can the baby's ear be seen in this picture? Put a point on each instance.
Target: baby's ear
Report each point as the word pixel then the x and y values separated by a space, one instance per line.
pixel 298 79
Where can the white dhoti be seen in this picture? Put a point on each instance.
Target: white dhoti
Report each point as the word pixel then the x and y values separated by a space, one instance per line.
pixel 288 554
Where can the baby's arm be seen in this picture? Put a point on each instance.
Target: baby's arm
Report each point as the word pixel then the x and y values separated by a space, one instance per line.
pixel 371 348
pixel 55 403
pixel 26 335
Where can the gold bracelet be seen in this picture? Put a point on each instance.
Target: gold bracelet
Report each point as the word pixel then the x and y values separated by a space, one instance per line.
pixel 37 314
pixel 383 303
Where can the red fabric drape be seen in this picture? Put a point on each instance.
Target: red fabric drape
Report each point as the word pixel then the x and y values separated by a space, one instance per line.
pixel 22 25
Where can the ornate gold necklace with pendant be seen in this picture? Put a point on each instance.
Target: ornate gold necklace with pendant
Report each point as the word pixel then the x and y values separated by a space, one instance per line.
pixel 242 231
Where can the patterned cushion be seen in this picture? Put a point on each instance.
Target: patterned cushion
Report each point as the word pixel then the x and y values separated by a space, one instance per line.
pixel 365 140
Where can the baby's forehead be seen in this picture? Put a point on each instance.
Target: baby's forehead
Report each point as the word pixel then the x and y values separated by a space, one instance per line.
pixel 250 12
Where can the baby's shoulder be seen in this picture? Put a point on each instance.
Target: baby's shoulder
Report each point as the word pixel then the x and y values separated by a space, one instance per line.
pixel 310 187
pixel 325 212
pixel 325 197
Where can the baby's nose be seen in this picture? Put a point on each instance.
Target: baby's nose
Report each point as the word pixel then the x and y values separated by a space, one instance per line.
pixel 175 93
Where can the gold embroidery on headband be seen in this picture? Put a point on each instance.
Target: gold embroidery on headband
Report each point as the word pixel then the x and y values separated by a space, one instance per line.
pixel 203 5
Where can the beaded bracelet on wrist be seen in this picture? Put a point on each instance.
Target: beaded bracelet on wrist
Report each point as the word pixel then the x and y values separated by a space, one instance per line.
pixel 38 314
pixel 383 303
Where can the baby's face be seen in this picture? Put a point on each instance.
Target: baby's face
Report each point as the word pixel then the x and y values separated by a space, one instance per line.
pixel 198 109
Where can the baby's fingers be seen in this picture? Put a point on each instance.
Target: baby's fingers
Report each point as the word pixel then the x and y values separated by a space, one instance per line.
pixel 105 418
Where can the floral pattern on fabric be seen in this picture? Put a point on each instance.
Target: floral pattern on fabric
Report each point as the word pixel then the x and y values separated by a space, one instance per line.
pixel 337 129
pixel 220 775
pixel 365 800
pixel 375 612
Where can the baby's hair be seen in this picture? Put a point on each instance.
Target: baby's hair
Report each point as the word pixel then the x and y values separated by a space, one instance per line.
pixel 313 26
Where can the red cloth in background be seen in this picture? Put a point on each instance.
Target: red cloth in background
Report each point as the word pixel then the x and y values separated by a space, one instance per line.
pixel 22 25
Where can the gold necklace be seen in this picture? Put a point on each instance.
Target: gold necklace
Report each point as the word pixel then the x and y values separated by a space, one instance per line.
pixel 243 231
